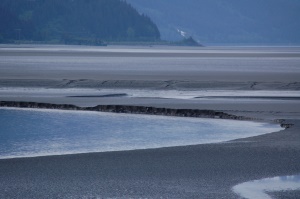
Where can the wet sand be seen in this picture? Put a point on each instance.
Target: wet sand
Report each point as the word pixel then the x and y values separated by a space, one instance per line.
pixel 201 171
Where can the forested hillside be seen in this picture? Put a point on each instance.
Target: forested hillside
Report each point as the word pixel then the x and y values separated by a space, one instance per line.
pixel 73 21
pixel 273 22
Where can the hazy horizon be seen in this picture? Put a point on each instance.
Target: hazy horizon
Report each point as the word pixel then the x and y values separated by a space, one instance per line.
pixel 229 22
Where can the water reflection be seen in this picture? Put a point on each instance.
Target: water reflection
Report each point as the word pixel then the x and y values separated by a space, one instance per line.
pixel 34 132
pixel 257 189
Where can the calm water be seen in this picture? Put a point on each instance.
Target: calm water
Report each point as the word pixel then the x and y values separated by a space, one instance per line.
pixel 145 93
pixel 28 132
pixel 257 189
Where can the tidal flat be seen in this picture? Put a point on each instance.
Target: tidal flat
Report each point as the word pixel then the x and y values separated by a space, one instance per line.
pixel 261 83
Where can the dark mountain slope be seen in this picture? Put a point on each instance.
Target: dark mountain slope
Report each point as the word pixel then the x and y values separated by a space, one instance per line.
pixel 74 20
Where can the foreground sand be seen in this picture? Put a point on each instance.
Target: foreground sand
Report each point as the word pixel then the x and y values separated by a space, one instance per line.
pixel 201 171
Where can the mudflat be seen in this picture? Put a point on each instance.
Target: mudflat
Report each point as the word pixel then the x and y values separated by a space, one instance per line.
pixel 88 76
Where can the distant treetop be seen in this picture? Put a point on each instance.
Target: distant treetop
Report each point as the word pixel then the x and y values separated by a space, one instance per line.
pixel 69 21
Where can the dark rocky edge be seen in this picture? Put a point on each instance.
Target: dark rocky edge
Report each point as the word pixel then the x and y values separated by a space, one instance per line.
pixel 287 126
pixel 129 109
pixel 284 124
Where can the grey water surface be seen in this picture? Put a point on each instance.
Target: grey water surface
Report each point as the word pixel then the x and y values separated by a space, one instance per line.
pixel 32 132
pixel 258 189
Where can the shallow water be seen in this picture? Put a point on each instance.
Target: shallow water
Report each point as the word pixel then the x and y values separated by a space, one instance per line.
pixel 31 132
pixel 257 189
pixel 147 93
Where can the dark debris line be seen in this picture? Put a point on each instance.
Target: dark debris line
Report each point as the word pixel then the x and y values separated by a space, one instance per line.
pixel 129 109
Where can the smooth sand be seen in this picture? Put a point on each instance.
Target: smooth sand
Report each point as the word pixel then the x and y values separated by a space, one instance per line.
pixel 202 171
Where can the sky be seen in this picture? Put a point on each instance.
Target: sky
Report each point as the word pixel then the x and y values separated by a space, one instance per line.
pixel 226 21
